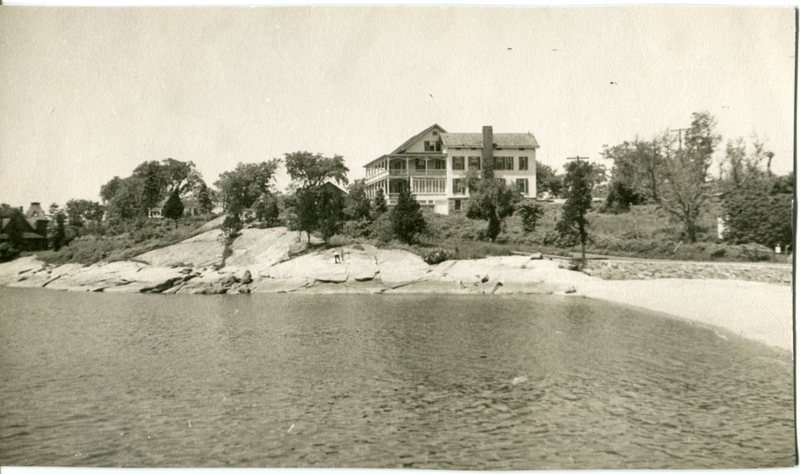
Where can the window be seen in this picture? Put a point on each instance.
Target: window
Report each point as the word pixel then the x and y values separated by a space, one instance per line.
pixel 439 164
pixel 504 163
pixel 523 163
pixel 458 163
pixel 459 187
pixel 522 185
pixel 474 162
pixel 433 146
pixel 419 164
pixel 456 204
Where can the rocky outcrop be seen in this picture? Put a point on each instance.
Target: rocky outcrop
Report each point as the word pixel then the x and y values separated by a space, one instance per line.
pixel 258 250
pixel 279 261
pixel 203 250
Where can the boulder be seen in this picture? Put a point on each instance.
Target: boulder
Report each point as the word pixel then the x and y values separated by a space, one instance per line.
pixel 246 278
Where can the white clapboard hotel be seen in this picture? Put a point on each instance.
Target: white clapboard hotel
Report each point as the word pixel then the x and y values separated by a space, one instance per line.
pixel 434 163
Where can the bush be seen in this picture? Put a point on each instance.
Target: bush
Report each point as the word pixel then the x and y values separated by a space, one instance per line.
pixel 357 229
pixel 530 212
pixel 8 252
pixel 381 228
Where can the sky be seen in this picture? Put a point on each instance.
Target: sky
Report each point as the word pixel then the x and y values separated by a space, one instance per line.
pixel 89 93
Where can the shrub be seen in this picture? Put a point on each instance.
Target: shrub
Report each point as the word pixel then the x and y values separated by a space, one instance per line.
pixel 357 228
pixel 406 218
pixel 8 252
pixel 530 212
pixel 381 228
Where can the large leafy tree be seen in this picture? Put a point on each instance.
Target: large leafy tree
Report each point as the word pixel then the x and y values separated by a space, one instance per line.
pixel 493 201
pixel 153 183
pixel 547 181
pixel 406 217
pixel 684 191
pixel 82 211
pixel 578 184
pixel 330 211
pixel 314 169
pixel 759 210
pixel 314 204
pixel 267 210
pixel 359 205
pixel 128 200
pixel 241 188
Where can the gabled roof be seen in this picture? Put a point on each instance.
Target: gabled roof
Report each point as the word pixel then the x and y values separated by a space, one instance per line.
pixel 500 140
pixel 416 137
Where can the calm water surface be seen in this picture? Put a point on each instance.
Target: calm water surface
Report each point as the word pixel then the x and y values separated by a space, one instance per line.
pixel 380 381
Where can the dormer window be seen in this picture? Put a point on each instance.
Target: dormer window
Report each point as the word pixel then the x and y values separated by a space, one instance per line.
pixel 433 146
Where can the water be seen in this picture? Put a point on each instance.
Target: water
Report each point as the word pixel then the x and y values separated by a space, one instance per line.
pixel 380 381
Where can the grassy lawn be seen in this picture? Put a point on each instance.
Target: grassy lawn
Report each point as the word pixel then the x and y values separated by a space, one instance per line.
pixel 644 232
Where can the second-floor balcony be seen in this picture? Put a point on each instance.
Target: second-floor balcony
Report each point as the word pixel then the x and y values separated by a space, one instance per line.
pixel 416 172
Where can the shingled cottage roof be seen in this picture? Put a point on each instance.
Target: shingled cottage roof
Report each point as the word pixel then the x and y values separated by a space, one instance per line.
pixel 501 140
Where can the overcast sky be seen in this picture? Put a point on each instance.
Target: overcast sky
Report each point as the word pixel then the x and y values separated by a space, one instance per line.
pixel 90 93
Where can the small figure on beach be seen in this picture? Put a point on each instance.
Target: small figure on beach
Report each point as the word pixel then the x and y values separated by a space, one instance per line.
pixel 337 256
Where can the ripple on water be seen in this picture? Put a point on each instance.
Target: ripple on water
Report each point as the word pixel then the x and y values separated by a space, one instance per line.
pixel 380 381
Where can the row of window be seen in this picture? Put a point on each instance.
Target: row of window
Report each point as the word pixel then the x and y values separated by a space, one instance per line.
pixel 500 163
pixel 460 185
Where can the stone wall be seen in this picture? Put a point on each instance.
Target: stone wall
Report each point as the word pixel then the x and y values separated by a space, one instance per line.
pixel 651 270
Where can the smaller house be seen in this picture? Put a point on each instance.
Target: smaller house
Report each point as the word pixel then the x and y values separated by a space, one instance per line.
pixel 191 208
pixel 17 231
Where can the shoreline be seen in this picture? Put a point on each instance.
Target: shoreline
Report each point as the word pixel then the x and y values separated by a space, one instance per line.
pixel 273 261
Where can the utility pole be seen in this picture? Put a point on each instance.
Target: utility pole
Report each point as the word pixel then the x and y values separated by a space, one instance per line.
pixel 577 158
pixel 680 136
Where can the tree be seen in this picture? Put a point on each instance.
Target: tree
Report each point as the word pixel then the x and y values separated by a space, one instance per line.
pixel 173 208
pixel 315 206
pixel 359 206
pixel 547 181
pixel 759 210
pixel 82 211
pixel 578 184
pixel 684 191
pixel 530 212
pixel 492 201
pixel 304 205
pixel 128 200
pixel 313 169
pixel 56 232
pixel 701 141
pixel 406 217
pixel 330 211
pixel 109 190
pixel 204 198
pixel 180 176
pixel 267 210
pixel 153 184
pixel 241 188
pixel 379 203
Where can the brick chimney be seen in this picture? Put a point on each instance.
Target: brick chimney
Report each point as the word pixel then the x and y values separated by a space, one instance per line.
pixel 487 153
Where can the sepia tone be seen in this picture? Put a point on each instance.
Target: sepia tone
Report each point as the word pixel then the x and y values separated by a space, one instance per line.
pixel 397 237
